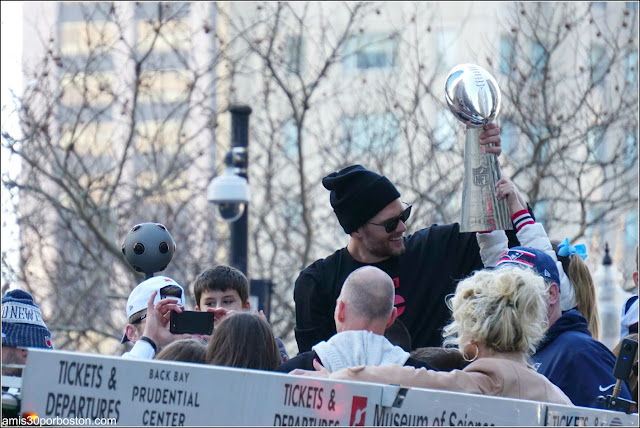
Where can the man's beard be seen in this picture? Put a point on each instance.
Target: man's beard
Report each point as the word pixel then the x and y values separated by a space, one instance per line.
pixel 384 250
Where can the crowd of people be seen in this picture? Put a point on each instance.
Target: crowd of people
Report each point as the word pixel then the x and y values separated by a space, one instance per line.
pixel 507 314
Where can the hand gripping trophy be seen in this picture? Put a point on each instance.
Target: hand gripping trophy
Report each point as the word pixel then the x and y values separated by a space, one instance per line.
pixel 473 96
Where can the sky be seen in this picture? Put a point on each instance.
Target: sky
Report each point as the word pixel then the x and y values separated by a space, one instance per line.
pixel 11 77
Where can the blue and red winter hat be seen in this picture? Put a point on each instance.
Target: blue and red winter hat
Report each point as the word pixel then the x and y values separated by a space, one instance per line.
pixel 22 323
pixel 540 261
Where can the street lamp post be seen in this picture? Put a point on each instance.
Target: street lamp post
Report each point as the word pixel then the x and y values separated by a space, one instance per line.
pixel 609 300
pixel 240 163
pixel 230 193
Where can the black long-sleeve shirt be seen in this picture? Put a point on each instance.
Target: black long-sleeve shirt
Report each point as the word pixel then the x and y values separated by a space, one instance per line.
pixel 436 258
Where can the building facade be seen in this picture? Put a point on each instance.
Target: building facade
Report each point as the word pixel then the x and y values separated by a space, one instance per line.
pixel 331 85
pixel 124 97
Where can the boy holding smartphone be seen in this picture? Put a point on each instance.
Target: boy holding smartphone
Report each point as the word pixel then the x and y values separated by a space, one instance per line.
pixel 224 290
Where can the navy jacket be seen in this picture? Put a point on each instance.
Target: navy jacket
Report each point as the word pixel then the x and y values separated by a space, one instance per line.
pixel 576 363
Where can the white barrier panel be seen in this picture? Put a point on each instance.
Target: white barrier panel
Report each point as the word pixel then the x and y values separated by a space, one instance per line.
pixel 444 408
pixel 142 392
pixel 564 416
pixel 61 384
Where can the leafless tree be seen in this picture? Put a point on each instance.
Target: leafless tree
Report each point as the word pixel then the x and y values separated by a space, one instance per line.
pixel 319 109
pixel 288 51
pixel 114 133
pixel 327 90
pixel 570 91
pixel 315 115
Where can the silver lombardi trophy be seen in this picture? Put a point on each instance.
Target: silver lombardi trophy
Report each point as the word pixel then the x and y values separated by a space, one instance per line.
pixel 473 96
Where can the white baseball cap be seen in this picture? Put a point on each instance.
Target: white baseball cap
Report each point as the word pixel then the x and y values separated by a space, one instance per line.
pixel 139 296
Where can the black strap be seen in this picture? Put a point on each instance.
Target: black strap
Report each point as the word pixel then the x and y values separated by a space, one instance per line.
pixel 150 342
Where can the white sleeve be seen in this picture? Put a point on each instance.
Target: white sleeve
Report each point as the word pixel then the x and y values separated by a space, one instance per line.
pixel 534 236
pixel 492 246
pixel 141 351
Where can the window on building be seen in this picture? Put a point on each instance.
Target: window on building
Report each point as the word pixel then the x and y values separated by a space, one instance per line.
pixel 161 111
pixel 82 114
pixel 541 211
pixel 291 138
pixel 151 10
pixel 539 57
pixel 164 61
pixel 84 11
pixel 598 63
pixel 294 54
pixel 85 38
pixel 87 63
pixel 155 136
pixel 164 86
pixel 174 35
pixel 631 68
pixel 292 212
pixel 631 5
pixel 96 185
pixel 509 136
pixel 444 132
pixel 595 143
pixel 594 222
pixel 631 147
pixel 174 190
pixel 370 50
pixel 446 49
pixel 631 228
pixel 93 89
pixel 91 139
pixel 507 53
pixel 374 132
pixel 541 140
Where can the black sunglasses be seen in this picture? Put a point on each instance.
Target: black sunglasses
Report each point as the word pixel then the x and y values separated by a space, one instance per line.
pixel 391 224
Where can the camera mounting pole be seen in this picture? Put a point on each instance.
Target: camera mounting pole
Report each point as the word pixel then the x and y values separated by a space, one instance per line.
pixel 625 363
pixel 238 158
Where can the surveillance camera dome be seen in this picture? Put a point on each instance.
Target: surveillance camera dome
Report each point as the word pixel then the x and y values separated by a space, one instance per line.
pixel 231 211
pixel 149 247
pixel 230 193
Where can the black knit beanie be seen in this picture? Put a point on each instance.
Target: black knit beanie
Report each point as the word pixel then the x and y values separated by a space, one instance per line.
pixel 358 194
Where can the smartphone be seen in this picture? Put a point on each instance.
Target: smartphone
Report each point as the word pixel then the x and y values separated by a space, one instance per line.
pixel 625 360
pixel 191 322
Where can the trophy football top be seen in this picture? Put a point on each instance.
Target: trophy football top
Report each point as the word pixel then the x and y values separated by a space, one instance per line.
pixel 472 95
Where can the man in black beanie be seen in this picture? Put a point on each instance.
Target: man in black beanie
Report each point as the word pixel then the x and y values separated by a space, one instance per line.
pixel 425 266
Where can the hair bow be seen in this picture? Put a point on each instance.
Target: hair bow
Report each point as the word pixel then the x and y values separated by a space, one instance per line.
pixel 566 250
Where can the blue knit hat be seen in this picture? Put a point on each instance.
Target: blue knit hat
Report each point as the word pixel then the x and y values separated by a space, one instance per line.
pixel 22 323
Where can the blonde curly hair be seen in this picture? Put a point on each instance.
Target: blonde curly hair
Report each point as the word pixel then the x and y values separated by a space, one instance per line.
pixel 505 308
